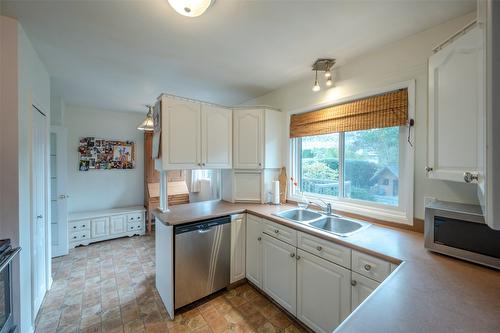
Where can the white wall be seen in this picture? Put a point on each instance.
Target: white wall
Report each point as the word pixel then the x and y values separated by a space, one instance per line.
pixel 102 189
pixel 27 83
pixel 397 62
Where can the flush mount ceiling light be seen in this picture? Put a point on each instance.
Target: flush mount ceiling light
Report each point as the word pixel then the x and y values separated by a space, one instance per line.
pixel 147 125
pixel 190 8
pixel 323 65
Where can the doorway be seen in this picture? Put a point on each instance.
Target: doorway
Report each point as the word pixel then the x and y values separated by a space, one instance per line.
pixel 58 196
pixel 39 227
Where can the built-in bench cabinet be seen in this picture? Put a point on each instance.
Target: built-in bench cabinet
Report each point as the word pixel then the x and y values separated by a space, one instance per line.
pixel 317 281
pixel 93 226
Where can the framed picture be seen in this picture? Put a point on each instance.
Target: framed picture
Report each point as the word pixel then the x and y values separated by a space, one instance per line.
pixel 101 154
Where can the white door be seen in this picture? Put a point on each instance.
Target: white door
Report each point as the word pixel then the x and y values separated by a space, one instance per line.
pixel 279 272
pixel 118 224
pixel 362 287
pixel 217 137
pixel 456 105
pixel 181 134
pixel 238 249
pixel 248 139
pixel 58 194
pixel 99 227
pixel 254 250
pixel 323 292
pixel 39 227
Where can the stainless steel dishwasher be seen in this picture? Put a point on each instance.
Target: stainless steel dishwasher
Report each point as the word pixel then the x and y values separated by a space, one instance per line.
pixel 202 259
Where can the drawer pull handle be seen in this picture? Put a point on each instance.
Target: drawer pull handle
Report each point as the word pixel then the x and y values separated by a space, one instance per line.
pixel 74 227
pixel 276 231
pixel 354 282
pixel 259 238
pixel 298 257
pixel 319 248
pixel 368 267
pixel 83 236
pixel 74 237
pixel 83 226
pixel 292 255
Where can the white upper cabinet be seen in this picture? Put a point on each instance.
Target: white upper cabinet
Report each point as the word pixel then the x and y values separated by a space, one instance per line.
pixel 456 107
pixel 181 130
pixel 257 139
pixel 489 149
pixel 195 135
pixel 248 139
pixel 217 137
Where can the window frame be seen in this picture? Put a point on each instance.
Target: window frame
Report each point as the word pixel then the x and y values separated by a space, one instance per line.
pixel 403 213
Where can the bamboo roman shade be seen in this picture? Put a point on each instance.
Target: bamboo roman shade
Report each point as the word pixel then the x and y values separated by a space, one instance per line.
pixel 385 110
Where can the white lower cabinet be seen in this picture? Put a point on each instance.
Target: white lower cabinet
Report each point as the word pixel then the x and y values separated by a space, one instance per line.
pixel 238 247
pixel 254 250
pixel 279 272
pixel 93 226
pixel 362 287
pixel 308 276
pixel 323 292
pixel 118 224
pixel 100 227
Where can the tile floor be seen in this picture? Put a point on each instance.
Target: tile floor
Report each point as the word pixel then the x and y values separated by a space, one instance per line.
pixel 109 287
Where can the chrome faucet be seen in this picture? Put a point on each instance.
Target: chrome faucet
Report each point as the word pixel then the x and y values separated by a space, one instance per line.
pixel 327 207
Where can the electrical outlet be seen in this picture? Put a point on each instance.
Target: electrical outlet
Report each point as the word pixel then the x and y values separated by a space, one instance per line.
pixel 428 200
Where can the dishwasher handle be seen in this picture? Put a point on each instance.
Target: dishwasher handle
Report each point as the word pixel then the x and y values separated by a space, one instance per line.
pixel 203 226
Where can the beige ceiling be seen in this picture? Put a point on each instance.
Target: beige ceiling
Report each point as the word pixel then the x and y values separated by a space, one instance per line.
pixel 121 54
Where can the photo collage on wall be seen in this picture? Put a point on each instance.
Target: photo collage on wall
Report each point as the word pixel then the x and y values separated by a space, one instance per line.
pixel 100 154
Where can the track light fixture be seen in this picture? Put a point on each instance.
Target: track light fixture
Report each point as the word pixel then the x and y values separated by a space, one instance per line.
pixel 323 65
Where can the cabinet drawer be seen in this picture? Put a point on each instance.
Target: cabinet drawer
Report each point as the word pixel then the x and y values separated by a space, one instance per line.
pixel 78 236
pixel 74 226
pixel 281 232
pixel 135 226
pixel 134 217
pixel 335 253
pixel 374 268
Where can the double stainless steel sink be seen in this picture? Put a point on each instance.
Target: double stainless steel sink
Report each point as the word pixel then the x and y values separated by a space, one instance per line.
pixel 335 224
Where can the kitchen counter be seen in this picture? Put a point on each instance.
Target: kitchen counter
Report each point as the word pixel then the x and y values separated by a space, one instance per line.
pixel 427 293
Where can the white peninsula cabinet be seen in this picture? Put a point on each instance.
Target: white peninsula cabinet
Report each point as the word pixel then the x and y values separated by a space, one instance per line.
pixel 317 281
pixel 194 134
pixel 456 108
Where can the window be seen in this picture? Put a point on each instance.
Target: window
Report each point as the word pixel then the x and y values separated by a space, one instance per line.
pixel 358 165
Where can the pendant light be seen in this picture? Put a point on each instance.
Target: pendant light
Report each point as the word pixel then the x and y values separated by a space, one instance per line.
pixel 190 8
pixel 316 86
pixel 147 125
pixel 323 65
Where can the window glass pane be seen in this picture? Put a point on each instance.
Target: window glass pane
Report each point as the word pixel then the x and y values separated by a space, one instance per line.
pixel 319 164
pixel 371 170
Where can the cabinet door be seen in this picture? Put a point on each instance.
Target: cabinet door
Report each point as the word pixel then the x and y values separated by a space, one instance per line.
pixel 248 139
pixel 118 224
pixel 217 137
pixel 248 186
pixel 254 250
pixel 279 272
pixel 456 105
pixel 181 140
pixel 238 249
pixel 323 292
pixel 99 227
pixel 362 287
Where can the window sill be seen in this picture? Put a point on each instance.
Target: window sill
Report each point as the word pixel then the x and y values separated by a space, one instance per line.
pixel 364 209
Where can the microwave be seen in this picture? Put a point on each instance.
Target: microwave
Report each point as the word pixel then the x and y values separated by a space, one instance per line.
pixel 459 230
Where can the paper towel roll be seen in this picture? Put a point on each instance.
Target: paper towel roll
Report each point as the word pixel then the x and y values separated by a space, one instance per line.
pixel 276 192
